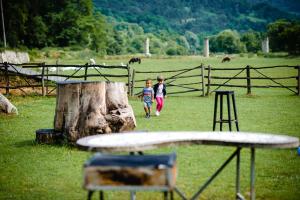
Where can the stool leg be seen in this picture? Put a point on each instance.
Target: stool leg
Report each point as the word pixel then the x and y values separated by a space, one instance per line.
pixel 215 112
pixel 90 194
pixel 221 112
pixel 172 195
pixel 101 195
pixel 229 112
pixel 235 113
pixel 132 195
pixel 165 195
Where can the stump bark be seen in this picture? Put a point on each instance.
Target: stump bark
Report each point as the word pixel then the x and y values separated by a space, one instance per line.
pixel 89 108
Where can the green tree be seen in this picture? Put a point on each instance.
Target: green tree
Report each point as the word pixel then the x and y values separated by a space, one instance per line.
pixel 252 41
pixel 40 23
pixel 284 36
pixel 37 33
pixel 227 41
pixel 193 41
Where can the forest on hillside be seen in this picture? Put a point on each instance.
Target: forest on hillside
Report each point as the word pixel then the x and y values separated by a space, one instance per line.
pixel 174 27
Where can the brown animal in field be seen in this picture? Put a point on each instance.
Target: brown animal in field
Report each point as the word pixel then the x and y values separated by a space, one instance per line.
pixel 133 60
pixel 226 59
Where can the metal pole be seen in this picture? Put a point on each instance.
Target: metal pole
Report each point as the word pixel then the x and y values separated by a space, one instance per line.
pixel 196 195
pixel 252 175
pixel 4 37
pixel 238 174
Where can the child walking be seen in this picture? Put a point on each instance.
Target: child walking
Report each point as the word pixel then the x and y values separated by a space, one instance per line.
pixel 160 93
pixel 148 97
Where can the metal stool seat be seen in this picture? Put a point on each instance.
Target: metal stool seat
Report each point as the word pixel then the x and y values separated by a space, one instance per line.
pixel 221 120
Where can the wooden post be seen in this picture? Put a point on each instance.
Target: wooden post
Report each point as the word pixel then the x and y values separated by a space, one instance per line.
pixel 202 76
pixel 43 81
pixel 85 71
pixel 132 82
pixel 208 80
pixel 7 78
pixel 128 81
pixel 47 72
pixel 248 79
pixel 298 80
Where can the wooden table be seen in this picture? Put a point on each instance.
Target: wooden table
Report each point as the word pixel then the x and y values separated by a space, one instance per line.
pixel 141 141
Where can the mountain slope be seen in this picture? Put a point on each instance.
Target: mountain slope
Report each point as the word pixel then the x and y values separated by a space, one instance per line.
pixel 198 16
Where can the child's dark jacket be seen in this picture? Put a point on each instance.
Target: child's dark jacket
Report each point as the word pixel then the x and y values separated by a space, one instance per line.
pixel 155 88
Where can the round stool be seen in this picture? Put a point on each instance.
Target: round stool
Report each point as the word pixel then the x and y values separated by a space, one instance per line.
pixel 221 119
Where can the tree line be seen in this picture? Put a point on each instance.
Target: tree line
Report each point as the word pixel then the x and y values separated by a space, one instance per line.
pixel 75 23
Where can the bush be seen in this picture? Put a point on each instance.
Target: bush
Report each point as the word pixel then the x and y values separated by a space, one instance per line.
pixel 171 51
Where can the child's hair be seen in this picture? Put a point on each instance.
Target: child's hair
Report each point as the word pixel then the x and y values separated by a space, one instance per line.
pixel 160 78
pixel 148 79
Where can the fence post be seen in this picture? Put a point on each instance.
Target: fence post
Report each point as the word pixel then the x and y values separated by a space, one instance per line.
pixel 7 78
pixel 43 81
pixel 202 76
pixel 85 71
pixel 208 79
pixel 47 72
pixel 248 79
pixel 128 81
pixel 298 80
pixel 132 82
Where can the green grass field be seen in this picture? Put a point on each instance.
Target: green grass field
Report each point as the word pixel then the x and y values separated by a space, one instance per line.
pixel 34 171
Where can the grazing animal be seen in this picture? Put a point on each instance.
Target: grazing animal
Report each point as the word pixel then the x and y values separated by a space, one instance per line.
pixel 92 61
pixel 226 59
pixel 133 60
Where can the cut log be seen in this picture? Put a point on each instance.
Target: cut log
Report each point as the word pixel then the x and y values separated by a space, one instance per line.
pixel 6 106
pixel 89 108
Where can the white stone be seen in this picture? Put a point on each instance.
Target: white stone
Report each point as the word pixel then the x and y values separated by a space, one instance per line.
pixel 7 106
pixel 147 44
pixel 206 48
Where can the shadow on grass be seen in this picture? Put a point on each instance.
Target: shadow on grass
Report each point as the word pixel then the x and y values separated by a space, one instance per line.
pixel 33 143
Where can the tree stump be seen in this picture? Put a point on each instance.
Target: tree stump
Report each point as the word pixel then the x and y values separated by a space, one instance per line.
pixel 89 108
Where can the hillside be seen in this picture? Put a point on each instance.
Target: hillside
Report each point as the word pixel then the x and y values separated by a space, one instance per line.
pixel 199 16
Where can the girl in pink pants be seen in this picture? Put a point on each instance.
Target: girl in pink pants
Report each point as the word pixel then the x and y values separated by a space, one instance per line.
pixel 159 94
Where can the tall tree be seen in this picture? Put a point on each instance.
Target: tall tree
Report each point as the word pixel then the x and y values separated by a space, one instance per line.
pixel 285 36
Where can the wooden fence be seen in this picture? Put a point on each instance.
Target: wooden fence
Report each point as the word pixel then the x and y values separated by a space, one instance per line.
pixel 47 78
pixel 192 80
pixel 246 74
pixel 184 80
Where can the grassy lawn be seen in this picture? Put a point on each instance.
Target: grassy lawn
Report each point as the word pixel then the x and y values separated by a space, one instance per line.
pixel 34 171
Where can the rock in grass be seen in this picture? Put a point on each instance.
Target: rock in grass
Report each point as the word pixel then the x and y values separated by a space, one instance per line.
pixel 6 106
